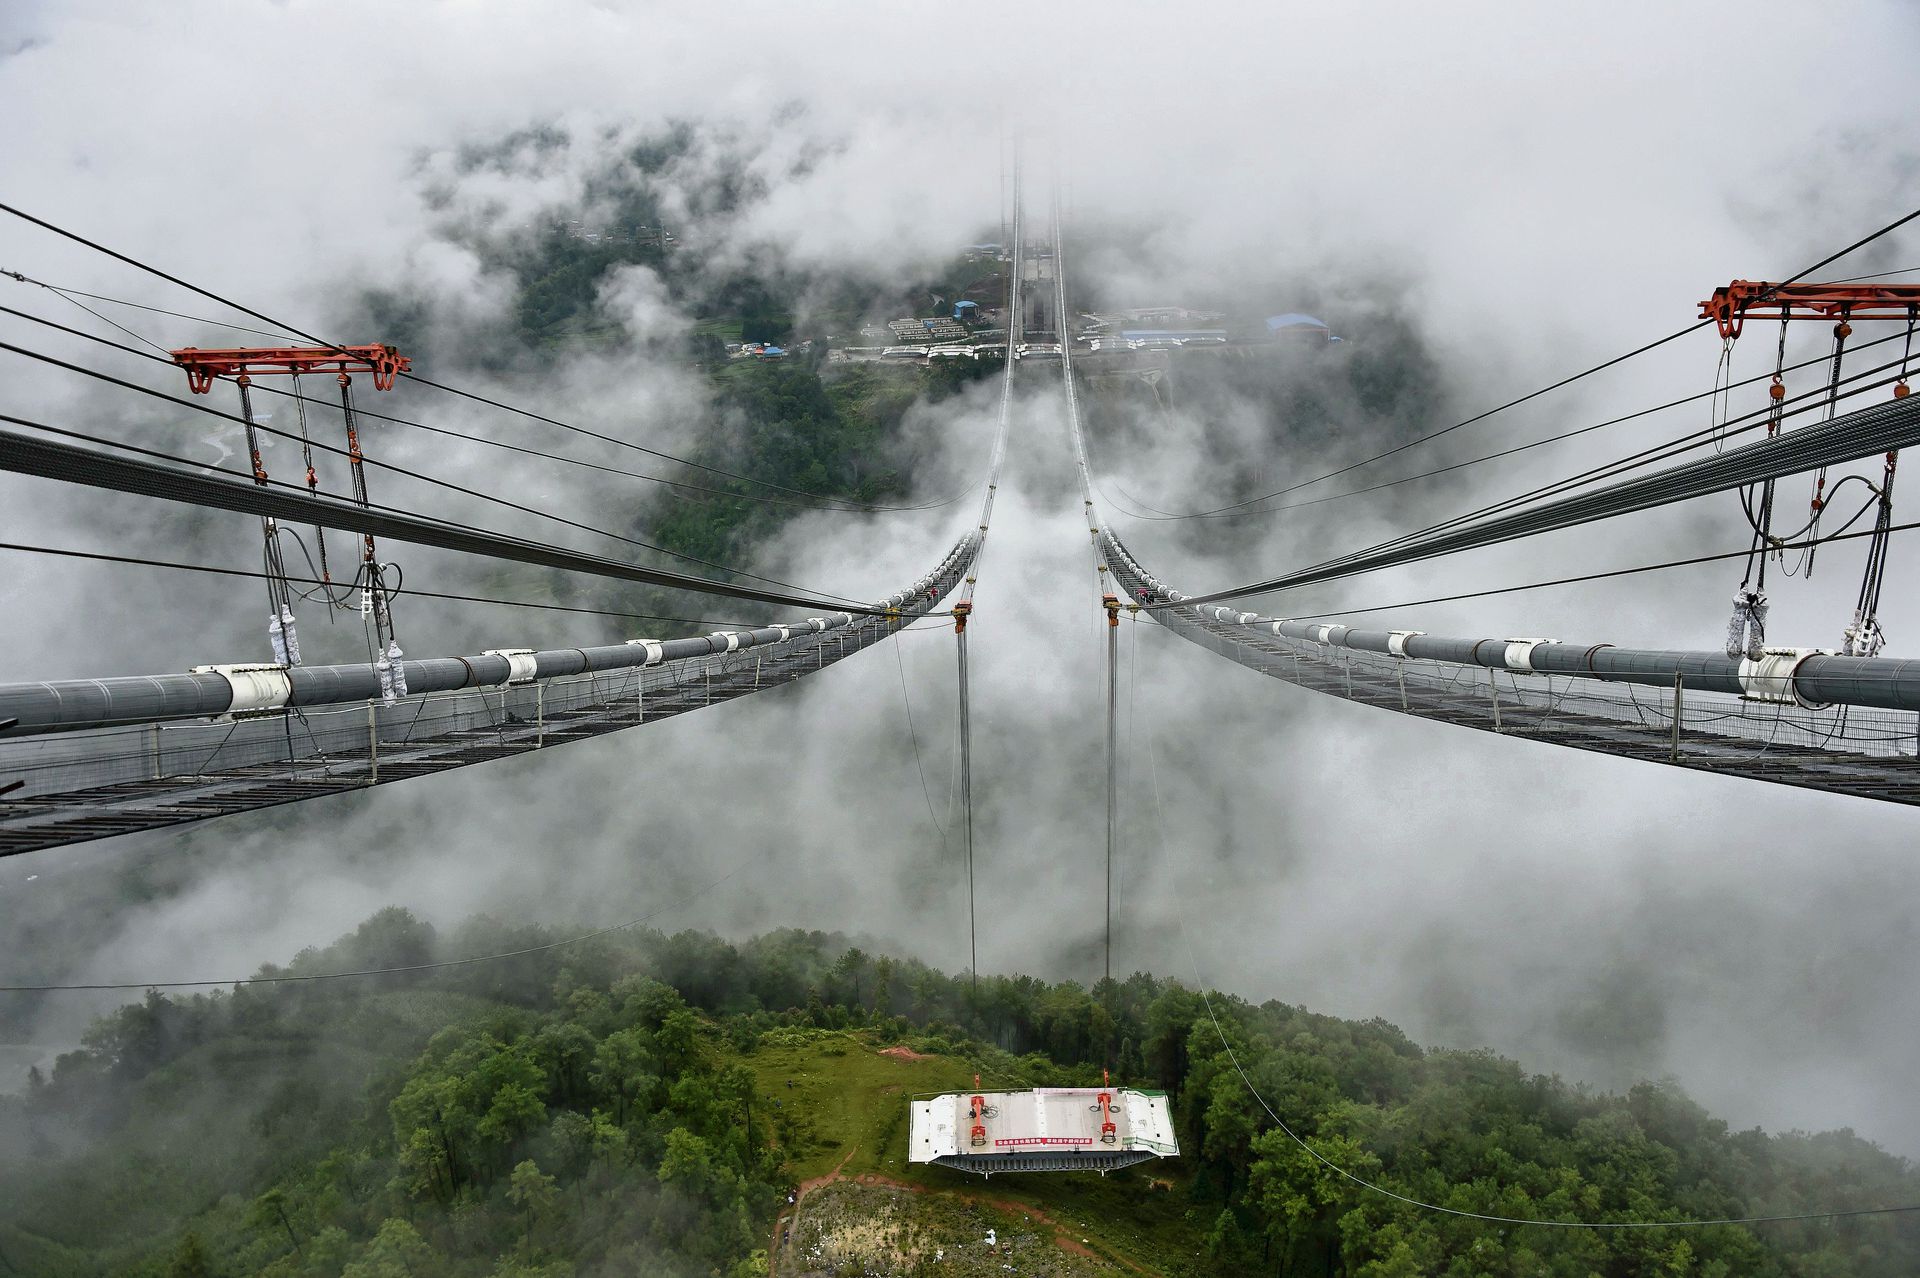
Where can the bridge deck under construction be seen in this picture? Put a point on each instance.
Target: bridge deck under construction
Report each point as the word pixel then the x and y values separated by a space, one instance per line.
pixel 1044 1129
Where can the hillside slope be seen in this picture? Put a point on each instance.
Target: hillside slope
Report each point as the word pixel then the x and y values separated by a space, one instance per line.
pixel 647 1103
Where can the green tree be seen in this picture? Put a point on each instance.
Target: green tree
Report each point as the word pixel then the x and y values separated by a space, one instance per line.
pixel 516 1110
pixel 850 969
pixel 190 1259
pixel 621 1069
pixel 397 1251
pixel 531 1190
pixel 692 1166
pixel 269 1211
pixel 608 1140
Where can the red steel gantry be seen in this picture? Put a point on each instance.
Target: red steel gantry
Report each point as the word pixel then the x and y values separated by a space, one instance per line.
pixel 243 364
pixel 1842 303
pixel 1730 307
pixel 384 362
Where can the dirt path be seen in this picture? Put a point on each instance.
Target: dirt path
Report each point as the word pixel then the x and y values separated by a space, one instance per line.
pixel 1063 1235
pixel 786 1213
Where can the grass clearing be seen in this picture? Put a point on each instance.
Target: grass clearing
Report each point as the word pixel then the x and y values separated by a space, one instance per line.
pixel 845 1096
pixel 847 1109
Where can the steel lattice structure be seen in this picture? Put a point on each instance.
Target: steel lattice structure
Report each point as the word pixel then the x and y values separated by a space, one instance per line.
pixel 97 782
pixel 1869 753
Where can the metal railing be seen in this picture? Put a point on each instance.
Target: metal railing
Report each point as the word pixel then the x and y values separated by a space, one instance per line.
pixel 1866 752
pixel 95 783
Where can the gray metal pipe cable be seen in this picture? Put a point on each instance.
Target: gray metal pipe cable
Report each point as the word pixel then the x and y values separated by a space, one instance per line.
pixel 48 459
pixel 65 705
pixel 1809 677
pixel 1863 433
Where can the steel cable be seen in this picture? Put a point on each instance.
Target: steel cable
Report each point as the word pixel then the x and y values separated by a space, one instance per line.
pixel 1801 274
pixel 1200 985
pixel 218 488
pixel 246 420
pixel 412 377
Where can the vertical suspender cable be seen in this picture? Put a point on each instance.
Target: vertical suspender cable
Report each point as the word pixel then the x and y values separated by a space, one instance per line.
pixel 1841 332
pixel 1864 637
pixel 1108 601
pixel 960 611
pixel 281 634
pixel 963 606
pixel 313 483
pixel 1113 759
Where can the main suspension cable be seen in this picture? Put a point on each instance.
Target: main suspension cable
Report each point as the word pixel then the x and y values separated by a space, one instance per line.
pixel 407 592
pixel 71 293
pixel 219 488
pixel 1801 274
pixel 1663 566
pixel 412 377
pixel 422 477
pixel 1471 531
pixel 1157 515
pixel 678 486
pixel 1715 435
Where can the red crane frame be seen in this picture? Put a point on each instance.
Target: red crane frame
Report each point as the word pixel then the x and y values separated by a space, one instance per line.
pixel 1729 308
pixel 384 362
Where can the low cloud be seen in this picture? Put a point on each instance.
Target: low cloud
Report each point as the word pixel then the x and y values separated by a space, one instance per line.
pixel 1505 194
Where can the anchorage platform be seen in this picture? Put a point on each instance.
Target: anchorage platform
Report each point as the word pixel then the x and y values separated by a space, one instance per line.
pixel 1045 1129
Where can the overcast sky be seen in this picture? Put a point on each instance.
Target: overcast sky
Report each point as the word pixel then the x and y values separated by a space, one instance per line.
pixel 1529 190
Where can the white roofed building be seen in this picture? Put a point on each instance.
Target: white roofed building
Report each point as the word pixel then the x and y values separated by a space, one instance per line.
pixel 1044 1129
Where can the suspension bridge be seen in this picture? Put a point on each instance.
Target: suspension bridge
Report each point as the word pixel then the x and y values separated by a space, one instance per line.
pixel 84 759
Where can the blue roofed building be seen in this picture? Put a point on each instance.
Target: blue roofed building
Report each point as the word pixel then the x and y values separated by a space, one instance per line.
pixel 1296 326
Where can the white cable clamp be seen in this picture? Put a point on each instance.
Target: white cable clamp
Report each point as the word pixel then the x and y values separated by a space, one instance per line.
pixel 1248 618
pixel 1771 678
pixel 818 623
pixel 1329 634
pixel 521 667
pixel 1520 653
pixel 397 658
pixel 839 619
pixel 786 633
pixel 1397 641
pixel 255 687
pixel 728 637
pixel 656 651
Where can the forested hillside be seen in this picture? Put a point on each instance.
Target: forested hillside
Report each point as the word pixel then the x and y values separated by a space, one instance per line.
pixel 615 1107
pixel 790 429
